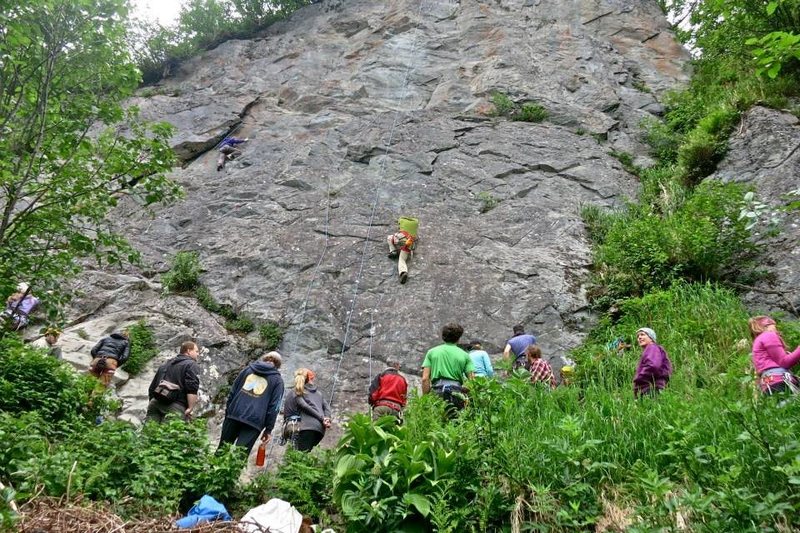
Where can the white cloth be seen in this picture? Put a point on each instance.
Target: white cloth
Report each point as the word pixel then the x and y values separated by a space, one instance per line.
pixel 275 516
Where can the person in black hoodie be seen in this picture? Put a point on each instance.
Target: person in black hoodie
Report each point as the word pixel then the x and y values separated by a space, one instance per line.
pixel 253 403
pixel 175 386
pixel 108 355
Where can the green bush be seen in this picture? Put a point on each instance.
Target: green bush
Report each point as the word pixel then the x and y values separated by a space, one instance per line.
pixel 270 334
pixel 699 154
pixel 50 444
pixel 143 347
pixel 184 275
pixel 489 201
pixel 241 324
pixel 503 105
pixel 702 239
pixel 30 380
pixel 531 112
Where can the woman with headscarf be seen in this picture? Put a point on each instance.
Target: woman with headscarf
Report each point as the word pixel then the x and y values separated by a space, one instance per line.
pixel 306 402
pixel 654 368
pixel 770 358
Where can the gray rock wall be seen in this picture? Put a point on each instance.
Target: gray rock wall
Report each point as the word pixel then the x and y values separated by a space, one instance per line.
pixel 764 153
pixel 361 111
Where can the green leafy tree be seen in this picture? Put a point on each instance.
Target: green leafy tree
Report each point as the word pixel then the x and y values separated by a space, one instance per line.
pixel 69 150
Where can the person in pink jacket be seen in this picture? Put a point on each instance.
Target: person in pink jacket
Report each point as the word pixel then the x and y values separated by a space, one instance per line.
pixel 654 368
pixel 770 358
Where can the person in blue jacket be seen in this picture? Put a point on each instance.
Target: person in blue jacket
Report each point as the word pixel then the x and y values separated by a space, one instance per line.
pixel 227 149
pixel 253 403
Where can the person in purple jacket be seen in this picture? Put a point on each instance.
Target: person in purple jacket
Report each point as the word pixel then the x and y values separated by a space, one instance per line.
pixel 19 306
pixel 516 345
pixel 227 149
pixel 654 368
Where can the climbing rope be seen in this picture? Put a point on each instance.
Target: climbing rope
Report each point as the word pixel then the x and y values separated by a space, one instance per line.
pixel 381 177
pixel 372 335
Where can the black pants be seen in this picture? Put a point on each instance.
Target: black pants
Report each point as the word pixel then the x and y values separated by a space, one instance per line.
pixel 305 440
pixel 239 433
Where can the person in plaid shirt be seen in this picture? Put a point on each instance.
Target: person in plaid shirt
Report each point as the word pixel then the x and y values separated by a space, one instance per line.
pixel 541 372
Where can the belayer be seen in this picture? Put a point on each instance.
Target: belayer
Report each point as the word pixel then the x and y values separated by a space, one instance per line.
pixel 227 150
pixel 516 345
pixel 388 392
pixel 445 369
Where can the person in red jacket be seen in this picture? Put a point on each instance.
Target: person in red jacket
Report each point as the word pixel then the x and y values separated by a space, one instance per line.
pixel 388 392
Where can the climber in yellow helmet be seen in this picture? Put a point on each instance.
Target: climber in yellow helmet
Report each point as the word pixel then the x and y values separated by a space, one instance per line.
pixel 402 244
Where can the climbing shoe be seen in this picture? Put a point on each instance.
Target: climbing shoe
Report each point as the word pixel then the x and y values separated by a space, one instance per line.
pixel 403 277
pixel 394 255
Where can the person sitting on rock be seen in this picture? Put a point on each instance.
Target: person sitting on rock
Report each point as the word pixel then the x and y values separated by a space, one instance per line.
pixel 402 244
pixel 19 307
pixel 541 371
pixel 516 345
pixel 228 150
pixel 49 342
pixel 108 355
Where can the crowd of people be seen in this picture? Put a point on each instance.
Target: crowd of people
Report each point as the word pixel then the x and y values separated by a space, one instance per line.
pixel 257 395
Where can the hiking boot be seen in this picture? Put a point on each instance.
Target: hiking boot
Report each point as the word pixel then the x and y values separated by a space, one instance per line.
pixel 219 167
pixel 394 255
pixel 403 277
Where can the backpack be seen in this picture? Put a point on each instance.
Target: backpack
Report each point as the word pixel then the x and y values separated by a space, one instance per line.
pixel 168 391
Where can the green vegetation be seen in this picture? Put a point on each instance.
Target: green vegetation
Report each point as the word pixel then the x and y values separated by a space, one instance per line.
pixel 184 275
pixel 50 445
pixel 202 25
pixel 531 112
pixel 703 238
pixel 488 200
pixel 702 453
pixel 271 335
pixel 527 112
pixel 66 71
pixel 143 347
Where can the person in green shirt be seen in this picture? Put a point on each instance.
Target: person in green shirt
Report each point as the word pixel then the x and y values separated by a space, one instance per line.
pixel 446 367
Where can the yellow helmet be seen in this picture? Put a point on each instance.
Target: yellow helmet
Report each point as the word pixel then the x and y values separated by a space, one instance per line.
pixel 567 370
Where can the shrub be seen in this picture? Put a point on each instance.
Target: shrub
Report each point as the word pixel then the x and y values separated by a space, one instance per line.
pixel 184 275
pixel 241 324
pixel 699 154
pixel 489 201
pixel 143 347
pixel 503 105
pixel 270 334
pixel 702 239
pixel 30 380
pixel 531 112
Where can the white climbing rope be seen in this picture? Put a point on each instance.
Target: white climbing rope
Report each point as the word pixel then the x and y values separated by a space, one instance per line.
pixel 382 175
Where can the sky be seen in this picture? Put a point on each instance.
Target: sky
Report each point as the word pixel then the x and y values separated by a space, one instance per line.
pixel 164 11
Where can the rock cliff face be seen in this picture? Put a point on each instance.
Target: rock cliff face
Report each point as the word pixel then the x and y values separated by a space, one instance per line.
pixel 361 111
pixel 765 154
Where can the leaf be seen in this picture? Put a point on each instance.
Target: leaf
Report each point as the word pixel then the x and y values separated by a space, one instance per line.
pixel 773 71
pixel 420 502
pixel 771 7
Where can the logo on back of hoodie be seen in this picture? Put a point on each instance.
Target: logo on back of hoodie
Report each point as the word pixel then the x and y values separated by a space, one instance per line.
pixel 254 385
